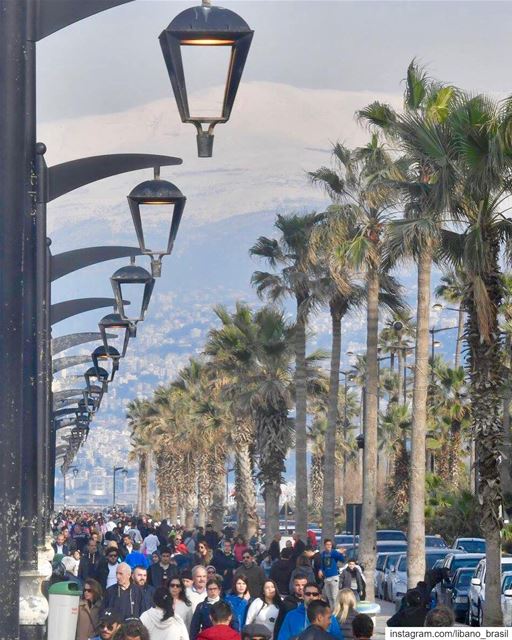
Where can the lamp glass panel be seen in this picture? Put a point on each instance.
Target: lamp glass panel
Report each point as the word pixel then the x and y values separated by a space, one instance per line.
pixel 156 223
pixel 118 341
pixel 206 70
pixel 135 294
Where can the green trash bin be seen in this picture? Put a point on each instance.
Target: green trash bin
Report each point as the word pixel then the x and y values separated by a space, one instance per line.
pixel 63 616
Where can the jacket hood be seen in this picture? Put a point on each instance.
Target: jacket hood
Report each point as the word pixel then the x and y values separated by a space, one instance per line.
pixel 155 615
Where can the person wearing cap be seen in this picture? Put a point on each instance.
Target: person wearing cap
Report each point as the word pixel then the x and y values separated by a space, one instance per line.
pixel 298 620
pixel 256 632
pixel 109 624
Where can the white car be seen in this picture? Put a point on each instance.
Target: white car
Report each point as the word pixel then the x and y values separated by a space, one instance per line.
pixel 477 590
pixel 506 598
pixel 397 585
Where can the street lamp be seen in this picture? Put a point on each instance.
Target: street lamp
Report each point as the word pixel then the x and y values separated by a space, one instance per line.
pixel 167 199
pixel 113 321
pixel 109 357
pixel 98 375
pixel 128 276
pixel 124 471
pixel 205 26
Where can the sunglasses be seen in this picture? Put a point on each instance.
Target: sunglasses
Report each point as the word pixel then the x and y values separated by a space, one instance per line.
pixel 176 585
pixel 108 627
pixel 315 594
pixel 87 590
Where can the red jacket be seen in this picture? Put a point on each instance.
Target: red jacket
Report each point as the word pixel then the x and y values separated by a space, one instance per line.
pixel 219 632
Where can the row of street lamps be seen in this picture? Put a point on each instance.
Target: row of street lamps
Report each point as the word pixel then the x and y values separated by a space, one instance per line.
pixel 30 417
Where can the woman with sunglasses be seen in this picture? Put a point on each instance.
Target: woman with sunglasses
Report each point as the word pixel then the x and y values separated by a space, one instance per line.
pixel 89 610
pixel 239 599
pixel 265 609
pixel 180 602
pixel 203 555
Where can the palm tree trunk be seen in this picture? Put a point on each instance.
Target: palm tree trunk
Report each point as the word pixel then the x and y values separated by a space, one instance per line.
pixel 416 529
pixel 245 494
pixel 328 530
pixel 301 468
pixel 506 465
pixel 401 377
pixel 460 332
pixel 217 505
pixel 367 542
pixel 272 492
pixel 486 375
pixel 143 480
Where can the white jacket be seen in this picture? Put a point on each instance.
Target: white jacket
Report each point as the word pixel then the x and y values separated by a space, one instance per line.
pixel 171 629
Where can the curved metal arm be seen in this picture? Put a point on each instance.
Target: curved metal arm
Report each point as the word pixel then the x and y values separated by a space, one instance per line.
pixel 73 339
pixel 59 364
pixel 68 308
pixel 65 177
pixel 69 261
pixel 53 15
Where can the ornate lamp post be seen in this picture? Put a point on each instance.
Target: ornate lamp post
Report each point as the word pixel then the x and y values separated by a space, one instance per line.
pixel 114 322
pixel 109 357
pixel 206 26
pixel 165 197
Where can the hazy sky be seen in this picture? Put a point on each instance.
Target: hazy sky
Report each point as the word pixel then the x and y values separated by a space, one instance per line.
pixel 113 61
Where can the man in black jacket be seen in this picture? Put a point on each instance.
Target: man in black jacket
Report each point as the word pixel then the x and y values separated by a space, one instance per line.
pixel 319 616
pixel 124 597
pixel 160 574
pixel 292 601
pixel 281 572
pixel 225 564
pixel 88 567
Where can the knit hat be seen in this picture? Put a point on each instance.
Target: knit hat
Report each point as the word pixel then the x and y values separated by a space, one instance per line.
pixel 256 630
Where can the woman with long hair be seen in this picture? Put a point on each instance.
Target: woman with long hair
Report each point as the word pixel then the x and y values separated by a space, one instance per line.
pixel 161 621
pixel 182 605
pixel 265 609
pixel 345 611
pixel 89 610
pixel 239 599
pixel 203 555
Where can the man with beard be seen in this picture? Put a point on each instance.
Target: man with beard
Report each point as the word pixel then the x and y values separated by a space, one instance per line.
pixel 351 577
pixel 224 562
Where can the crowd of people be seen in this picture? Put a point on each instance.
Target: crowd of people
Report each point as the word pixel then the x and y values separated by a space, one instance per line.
pixel 145 580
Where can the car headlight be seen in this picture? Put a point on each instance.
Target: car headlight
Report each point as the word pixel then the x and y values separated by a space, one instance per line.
pixel 460 599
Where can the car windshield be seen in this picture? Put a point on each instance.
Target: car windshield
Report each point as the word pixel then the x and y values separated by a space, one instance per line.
pixel 464 579
pixel 391 535
pixel 434 541
pixel 380 562
pixel 507 583
pixel 463 562
pixel 402 565
pixel 432 558
pixel 472 546
pixel 391 560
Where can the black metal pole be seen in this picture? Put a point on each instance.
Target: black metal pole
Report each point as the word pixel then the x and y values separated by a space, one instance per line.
pixel 15 168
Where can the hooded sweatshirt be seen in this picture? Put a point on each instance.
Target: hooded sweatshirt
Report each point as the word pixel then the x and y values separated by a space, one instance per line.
pixel 171 629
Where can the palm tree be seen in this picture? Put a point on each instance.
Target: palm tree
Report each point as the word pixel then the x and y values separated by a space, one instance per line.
pixel 451 290
pixel 506 312
pixel 425 187
pixel 139 414
pixel 481 138
pixel 365 206
pixel 290 252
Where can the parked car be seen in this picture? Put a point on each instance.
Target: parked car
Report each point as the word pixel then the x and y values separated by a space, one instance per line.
pixel 398 581
pixel 345 540
pixel 452 562
pixel 477 590
pixel 457 593
pixel 390 535
pixel 470 545
pixel 389 564
pixel 351 552
pixel 506 598
pixel 379 573
pixel 435 541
